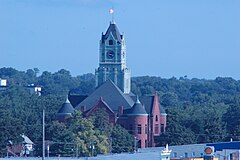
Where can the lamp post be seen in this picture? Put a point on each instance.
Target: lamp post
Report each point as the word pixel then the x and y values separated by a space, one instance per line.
pixel 43 135
pixel 48 148
pixel 92 147
pixel 135 144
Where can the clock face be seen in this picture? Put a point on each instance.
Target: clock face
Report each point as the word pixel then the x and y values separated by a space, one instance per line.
pixel 110 54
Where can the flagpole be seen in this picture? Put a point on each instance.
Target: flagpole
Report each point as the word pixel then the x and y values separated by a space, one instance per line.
pixel 111 11
pixel 113 18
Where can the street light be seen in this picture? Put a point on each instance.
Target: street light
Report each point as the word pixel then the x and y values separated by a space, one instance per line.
pixel 43 135
pixel 135 144
pixel 48 147
pixel 92 147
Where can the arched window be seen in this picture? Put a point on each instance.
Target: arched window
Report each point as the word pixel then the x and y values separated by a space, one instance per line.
pixel 156 118
pixel 110 42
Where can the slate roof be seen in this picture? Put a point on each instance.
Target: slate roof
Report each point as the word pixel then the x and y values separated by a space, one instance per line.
pixel 147 101
pixel 101 103
pixel 76 99
pixel 66 108
pixel 137 109
pixel 26 140
pixel 115 32
pixel 111 94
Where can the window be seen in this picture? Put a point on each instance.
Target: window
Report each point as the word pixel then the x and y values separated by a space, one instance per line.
pixel 130 129
pixel 110 42
pixel 139 143
pixel 174 154
pixel 162 128
pixel 193 154
pixel 139 129
pixel 186 155
pixel 156 118
pixel 146 129
pixel 156 129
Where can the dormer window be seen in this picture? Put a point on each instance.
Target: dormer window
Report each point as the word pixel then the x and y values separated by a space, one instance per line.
pixel 110 42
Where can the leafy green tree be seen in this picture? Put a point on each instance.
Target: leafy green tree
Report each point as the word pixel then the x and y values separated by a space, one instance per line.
pixel 232 119
pixel 176 132
pixel 122 141
pixel 86 136
pixel 60 138
pixel 101 121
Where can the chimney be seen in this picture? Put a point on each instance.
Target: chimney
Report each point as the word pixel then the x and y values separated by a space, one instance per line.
pixel 83 108
pixel 120 110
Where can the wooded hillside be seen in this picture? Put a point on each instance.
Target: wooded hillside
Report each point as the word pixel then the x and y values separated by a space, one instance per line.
pixel 199 110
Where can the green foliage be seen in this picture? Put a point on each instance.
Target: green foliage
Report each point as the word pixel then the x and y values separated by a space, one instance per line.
pixel 61 139
pixel 199 111
pixel 86 136
pixel 101 122
pixel 232 120
pixel 122 141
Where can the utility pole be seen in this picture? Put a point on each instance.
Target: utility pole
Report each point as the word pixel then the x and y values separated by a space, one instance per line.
pixel 43 135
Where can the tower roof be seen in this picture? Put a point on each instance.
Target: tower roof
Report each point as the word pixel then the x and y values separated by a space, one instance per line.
pixel 112 29
pixel 137 109
pixel 66 109
pixel 148 103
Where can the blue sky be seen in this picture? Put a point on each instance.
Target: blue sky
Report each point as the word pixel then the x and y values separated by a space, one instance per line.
pixel 166 38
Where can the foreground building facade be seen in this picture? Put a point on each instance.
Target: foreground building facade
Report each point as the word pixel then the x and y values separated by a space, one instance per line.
pixel 141 116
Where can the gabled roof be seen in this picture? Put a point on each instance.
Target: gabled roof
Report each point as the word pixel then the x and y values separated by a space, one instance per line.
pixel 26 140
pixel 112 29
pixel 66 108
pixel 111 94
pixel 100 104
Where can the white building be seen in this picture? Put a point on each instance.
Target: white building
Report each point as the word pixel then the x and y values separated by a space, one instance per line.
pixel 3 82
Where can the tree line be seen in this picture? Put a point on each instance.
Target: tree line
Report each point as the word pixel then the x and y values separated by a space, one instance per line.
pixel 198 111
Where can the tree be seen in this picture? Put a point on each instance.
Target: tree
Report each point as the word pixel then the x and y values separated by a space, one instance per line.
pixel 232 119
pixel 122 141
pixel 176 132
pixel 101 121
pixel 61 138
pixel 85 136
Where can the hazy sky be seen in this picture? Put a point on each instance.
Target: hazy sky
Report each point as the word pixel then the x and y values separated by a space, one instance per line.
pixel 166 38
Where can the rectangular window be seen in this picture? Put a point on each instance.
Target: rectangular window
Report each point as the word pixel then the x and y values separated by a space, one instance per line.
pixel 162 128
pixel 139 129
pixel 130 129
pixel 139 143
pixel 193 154
pixel 186 155
pixel 146 129
pixel 156 129
pixel 174 154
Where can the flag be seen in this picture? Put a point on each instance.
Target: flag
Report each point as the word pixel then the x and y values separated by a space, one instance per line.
pixel 111 11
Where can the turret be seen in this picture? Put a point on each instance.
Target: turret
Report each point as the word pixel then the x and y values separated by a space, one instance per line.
pixel 65 112
pixel 138 123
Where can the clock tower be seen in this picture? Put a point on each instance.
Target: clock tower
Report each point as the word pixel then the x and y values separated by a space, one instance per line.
pixel 112 60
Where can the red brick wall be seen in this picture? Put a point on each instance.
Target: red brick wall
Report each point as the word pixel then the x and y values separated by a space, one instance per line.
pixel 135 121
